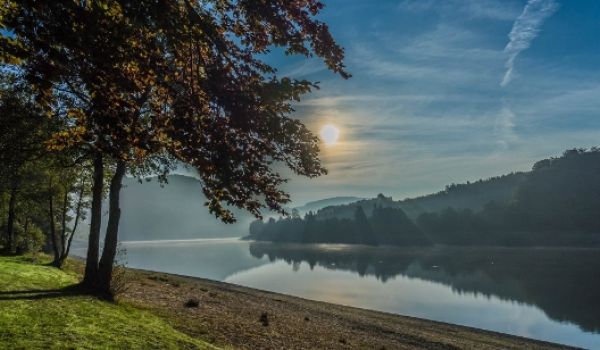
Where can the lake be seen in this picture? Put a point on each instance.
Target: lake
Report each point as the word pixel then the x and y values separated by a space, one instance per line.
pixel 540 293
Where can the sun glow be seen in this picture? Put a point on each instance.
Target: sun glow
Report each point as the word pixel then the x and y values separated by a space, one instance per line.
pixel 329 134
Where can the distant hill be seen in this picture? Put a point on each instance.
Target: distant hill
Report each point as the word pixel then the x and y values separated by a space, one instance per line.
pixel 323 203
pixel 470 195
pixel 555 204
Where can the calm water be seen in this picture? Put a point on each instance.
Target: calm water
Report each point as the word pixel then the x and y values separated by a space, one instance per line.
pixel 546 294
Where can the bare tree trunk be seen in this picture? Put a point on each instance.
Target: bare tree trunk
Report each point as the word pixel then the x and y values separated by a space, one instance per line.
pixel 10 223
pixel 112 230
pixel 2 221
pixel 91 263
pixel 55 243
pixel 24 247
pixel 75 223
pixel 63 225
pixel 26 226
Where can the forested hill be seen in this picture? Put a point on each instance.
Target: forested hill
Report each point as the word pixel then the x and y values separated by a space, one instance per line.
pixel 315 206
pixel 470 195
pixel 556 203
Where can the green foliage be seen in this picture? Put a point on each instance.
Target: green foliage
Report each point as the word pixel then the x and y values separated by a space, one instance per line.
pixel 47 189
pixel 30 241
pixel 558 197
pixel 563 193
pixel 24 130
pixel 34 317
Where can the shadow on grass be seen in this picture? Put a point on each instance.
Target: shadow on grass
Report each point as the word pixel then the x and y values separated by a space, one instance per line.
pixel 36 294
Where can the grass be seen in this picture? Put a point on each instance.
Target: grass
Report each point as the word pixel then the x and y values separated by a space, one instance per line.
pixel 42 308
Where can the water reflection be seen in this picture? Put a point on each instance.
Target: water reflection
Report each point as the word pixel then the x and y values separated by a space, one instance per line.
pixel 547 294
pixel 207 257
pixel 563 283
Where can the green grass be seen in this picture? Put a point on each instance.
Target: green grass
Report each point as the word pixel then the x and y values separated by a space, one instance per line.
pixel 41 309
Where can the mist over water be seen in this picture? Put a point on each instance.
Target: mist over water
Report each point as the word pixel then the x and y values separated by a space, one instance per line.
pixel 172 211
pixel 546 294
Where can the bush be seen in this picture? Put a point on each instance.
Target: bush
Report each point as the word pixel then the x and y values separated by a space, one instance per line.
pixel 119 283
pixel 31 241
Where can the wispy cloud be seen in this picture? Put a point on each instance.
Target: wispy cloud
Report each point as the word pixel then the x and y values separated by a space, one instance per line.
pixel 304 68
pixel 449 42
pixel 421 66
pixel 350 99
pixel 476 9
pixel 525 29
pixel 504 126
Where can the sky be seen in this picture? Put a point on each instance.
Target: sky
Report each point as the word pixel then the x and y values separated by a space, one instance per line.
pixel 446 91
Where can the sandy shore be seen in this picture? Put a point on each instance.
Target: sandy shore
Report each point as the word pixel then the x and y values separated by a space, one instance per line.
pixel 244 318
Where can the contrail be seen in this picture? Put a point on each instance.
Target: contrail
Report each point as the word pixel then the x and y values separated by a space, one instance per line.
pixel 525 29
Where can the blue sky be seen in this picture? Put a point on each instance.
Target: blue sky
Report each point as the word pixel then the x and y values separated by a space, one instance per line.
pixel 450 90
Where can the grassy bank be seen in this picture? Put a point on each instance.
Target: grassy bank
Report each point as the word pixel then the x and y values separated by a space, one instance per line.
pixel 40 309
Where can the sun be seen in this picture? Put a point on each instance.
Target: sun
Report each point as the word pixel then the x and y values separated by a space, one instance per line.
pixel 329 134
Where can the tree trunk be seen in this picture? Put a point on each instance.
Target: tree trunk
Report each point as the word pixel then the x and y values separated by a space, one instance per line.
pixel 91 262
pixel 112 230
pixel 75 223
pixel 24 244
pixel 2 222
pixel 10 223
pixel 26 226
pixel 55 243
pixel 63 225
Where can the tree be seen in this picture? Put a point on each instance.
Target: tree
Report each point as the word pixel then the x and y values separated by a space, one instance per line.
pixel 365 232
pixel 151 82
pixel 295 214
pixel 25 212
pixel 44 187
pixel 24 129
pixel 67 193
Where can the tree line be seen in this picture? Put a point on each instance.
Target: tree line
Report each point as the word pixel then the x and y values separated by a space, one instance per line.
pixel 44 198
pixel 98 90
pixel 557 203
pixel 385 226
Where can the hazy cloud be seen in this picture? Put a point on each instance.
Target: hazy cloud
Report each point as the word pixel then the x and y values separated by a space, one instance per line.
pixel 525 29
pixel 504 127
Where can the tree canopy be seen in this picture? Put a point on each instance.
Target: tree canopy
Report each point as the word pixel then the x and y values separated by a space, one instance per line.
pixel 179 78
pixel 140 86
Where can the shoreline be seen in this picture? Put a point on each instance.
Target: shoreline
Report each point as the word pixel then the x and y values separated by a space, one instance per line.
pixel 232 315
pixel 582 245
